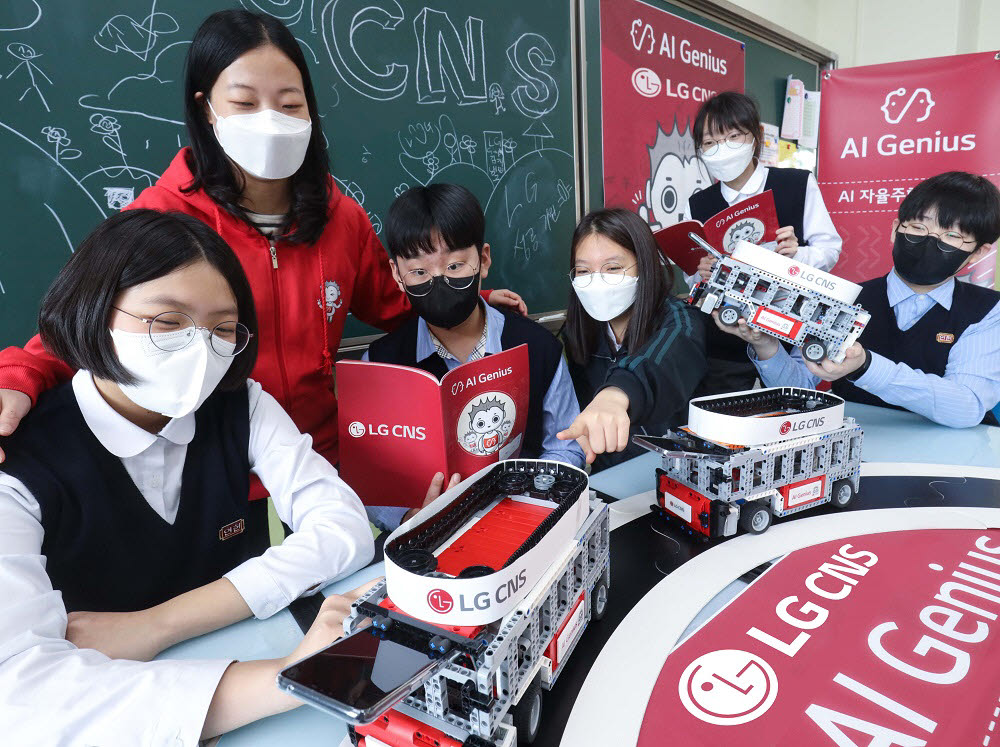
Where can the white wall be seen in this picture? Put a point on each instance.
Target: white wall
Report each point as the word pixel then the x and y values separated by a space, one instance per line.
pixel 869 32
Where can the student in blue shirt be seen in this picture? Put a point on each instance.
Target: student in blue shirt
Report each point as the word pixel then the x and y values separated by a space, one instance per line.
pixel 436 241
pixel 933 344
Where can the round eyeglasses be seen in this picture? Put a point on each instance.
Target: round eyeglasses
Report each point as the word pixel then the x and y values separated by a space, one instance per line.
pixel 457 275
pixel 174 330
pixel 948 241
pixel 612 273
pixel 734 141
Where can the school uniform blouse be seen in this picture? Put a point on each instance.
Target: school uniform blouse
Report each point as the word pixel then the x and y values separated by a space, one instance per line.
pixel 824 243
pixel 48 686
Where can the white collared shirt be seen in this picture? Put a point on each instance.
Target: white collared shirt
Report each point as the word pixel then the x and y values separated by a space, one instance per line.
pixel 53 692
pixel 824 243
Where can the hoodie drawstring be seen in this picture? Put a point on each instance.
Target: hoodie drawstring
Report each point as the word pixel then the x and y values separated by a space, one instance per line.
pixel 327 366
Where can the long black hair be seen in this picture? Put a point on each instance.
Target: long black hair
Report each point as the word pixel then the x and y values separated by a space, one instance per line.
pixel 581 331
pixel 130 248
pixel 221 39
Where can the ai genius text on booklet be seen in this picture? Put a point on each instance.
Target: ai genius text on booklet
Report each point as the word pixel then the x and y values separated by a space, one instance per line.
pixel 400 425
pixel 753 219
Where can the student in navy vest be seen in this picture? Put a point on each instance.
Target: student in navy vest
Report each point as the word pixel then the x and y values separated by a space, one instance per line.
pixel 727 134
pixel 635 353
pixel 933 343
pixel 439 256
pixel 123 500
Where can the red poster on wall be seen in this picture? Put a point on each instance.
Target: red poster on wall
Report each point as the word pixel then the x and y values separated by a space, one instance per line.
pixel 656 70
pixel 885 128
pixel 884 639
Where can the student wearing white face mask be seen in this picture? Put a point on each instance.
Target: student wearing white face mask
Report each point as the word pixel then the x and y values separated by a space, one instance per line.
pixel 727 135
pixel 257 172
pixel 635 353
pixel 124 522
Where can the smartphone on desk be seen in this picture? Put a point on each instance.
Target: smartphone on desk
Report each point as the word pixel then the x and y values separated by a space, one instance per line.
pixel 358 677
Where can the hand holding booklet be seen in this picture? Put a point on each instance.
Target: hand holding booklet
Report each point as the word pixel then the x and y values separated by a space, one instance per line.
pixel 399 425
pixel 754 219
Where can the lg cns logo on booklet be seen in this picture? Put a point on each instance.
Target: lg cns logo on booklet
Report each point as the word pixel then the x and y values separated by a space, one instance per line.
pixel 415 432
pixel 728 687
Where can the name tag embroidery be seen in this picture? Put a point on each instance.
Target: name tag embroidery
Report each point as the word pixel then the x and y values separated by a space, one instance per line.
pixel 945 337
pixel 232 529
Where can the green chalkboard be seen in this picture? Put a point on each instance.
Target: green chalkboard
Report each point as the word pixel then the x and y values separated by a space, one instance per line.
pixel 475 93
pixel 767 68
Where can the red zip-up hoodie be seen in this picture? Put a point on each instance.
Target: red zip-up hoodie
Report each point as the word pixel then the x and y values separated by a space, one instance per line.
pixel 302 294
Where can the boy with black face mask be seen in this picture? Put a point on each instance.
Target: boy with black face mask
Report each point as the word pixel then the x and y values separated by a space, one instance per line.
pixel 933 344
pixel 435 238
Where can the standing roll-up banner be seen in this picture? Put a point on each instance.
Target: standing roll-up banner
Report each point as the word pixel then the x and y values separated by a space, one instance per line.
pixel 886 128
pixel 656 70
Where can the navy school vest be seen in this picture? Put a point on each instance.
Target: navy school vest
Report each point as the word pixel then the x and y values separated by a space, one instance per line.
pixel 926 345
pixel 106 549
pixel 544 354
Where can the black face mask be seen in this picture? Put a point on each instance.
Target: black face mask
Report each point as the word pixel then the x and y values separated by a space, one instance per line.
pixel 923 263
pixel 444 306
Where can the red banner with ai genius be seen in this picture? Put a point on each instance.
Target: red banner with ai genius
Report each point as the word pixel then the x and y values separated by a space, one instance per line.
pixel 885 128
pixel 882 639
pixel 656 70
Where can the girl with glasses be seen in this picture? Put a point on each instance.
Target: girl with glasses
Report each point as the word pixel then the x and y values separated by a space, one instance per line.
pixel 635 353
pixel 257 171
pixel 727 135
pixel 124 521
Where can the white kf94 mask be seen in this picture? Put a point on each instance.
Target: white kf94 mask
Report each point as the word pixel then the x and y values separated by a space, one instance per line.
pixel 728 163
pixel 266 144
pixel 172 383
pixel 603 301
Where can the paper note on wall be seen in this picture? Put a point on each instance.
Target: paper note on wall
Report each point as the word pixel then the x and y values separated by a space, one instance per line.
pixel 791 120
pixel 786 153
pixel 769 145
pixel 810 120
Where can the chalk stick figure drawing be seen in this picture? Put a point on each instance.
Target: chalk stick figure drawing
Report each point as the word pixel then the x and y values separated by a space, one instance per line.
pixel 58 137
pixel 26 54
pixel 496 98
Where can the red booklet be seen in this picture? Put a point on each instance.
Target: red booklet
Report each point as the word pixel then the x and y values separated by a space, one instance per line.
pixel 754 219
pixel 399 425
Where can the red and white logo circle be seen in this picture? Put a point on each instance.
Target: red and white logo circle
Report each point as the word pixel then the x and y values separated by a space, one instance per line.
pixel 785 428
pixel 646 82
pixel 440 601
pixel 794 270
pixel 728 687
pixel 356 429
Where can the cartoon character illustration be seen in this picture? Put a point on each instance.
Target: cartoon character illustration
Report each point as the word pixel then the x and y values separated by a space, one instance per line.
pixel 675 173
pixel 26 54
pixel 897 104
pixel 119 197
pixel 331 293
pixel 750 229
pixel 489 419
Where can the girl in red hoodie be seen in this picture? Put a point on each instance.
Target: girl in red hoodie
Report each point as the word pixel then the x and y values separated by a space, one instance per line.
pixel 257 171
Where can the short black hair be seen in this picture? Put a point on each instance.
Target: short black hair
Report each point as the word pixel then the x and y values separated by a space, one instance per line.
pixel 728 110
pixel 581 331
pixel 128 249
pixel 450 209
pixel 221 39
pixel 968 201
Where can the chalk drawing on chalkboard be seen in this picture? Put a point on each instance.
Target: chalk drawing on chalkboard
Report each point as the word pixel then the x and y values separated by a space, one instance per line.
pixel 530 56
pixel 496 155
pixel 496 98
pixel 60 139
pixel 62 228
pixel 539 132
pixel 109 128
pixel 365 154
pixel 122 33
pixel 26 54
pixel 675 173
pixel 308 46
pixel 24 12
pixel 340 20
pixel 443 58
pixel 132 88
pixel 289 11
pixel 353 190
pixel 119 197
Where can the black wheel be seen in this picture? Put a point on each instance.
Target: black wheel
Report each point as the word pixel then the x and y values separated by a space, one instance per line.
pixel 475 571
pixel 417 561
pixel 598 600
pixel 729 315
pixel 513 482
pixel 813 350
pixel 755 517
pixel 562 488
pixel 528 712
pixel 843 493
